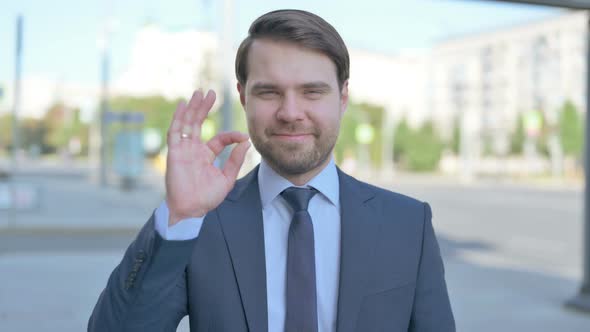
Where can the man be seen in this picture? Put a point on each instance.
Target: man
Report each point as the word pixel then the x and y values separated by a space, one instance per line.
pixel 295 245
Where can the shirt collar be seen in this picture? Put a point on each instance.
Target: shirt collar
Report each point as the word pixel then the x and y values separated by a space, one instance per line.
pixel 271 184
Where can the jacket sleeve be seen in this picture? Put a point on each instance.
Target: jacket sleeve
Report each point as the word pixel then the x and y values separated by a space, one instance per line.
pixel 147 290
pixel 432 309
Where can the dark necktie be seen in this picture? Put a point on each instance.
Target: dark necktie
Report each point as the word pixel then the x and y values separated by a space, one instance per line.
pixel 301 288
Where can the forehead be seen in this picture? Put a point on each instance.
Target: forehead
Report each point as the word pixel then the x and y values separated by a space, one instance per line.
pixel 286 64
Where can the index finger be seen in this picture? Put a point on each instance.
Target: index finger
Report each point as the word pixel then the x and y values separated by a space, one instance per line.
pixel 204 107
pixel 221 140
pixel 176 123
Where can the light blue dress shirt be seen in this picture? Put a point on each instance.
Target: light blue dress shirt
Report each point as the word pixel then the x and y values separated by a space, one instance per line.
pixel 324 209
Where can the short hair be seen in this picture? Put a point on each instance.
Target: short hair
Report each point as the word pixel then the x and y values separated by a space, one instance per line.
pixel 301 28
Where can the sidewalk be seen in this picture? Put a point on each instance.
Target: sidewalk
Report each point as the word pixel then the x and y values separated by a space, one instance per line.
pixel 69 199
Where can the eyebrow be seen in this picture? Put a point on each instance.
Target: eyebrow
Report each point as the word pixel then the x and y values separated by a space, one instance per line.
pixel 317 85
pixel 310 85
pixel 263 86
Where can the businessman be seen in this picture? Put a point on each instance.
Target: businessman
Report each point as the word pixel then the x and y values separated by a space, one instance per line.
pixel 296 245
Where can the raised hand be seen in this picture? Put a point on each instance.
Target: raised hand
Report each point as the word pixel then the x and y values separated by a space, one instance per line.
pixel 194 186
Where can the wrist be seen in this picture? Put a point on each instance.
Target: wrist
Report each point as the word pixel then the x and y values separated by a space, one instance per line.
pixel 175 218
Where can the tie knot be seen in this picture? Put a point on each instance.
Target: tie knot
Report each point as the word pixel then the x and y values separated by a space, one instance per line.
pixel 298 198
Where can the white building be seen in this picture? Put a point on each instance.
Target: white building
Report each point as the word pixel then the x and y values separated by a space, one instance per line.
pixel 398 83
pixel 170 64
pixel 490 78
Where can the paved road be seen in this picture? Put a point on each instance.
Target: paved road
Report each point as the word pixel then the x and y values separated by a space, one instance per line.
pixel 512 254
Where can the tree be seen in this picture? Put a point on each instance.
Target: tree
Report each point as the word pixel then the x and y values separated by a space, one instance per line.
pixel 455 143
pixel 60 125
pixel 373 115
pixel 346 140
pixel 31 134
pixel 6 131
pixel 571 130
pixel 356 114
pixel 401 140
pixel 56 120
pixel 417 149
pixel 425 150
pixel 518 137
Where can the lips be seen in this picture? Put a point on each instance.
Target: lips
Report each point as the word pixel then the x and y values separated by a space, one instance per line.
pixel 292 136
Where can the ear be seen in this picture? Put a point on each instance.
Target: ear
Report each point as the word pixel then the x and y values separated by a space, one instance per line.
pixel 242 92
pixel 344 97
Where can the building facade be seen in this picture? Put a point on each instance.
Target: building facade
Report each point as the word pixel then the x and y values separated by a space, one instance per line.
pixel 485 81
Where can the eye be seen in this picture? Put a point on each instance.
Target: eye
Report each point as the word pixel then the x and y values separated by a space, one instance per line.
pixel 313 94
pixel 268 93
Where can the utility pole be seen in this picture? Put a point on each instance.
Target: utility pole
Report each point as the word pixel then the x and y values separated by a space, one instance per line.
pixel 227 71
pixel 104 45
pixel 17 87
pixel 103 111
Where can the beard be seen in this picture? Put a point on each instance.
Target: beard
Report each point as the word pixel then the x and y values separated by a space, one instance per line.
pixel 294 158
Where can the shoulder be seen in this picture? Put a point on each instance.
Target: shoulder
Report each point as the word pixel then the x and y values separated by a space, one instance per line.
pixel 394 197
pixel 378 193
pixel 386 201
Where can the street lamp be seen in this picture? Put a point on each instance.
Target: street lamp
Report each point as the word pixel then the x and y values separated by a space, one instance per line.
pixel 17 85
pixel 104 48
pixel 227 73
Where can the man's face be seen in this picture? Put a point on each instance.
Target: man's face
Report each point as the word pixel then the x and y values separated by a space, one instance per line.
pixel 293 105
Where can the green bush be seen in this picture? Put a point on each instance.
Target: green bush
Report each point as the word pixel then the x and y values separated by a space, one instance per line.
pixel 418 149
pixel 571 130
pixel 518 137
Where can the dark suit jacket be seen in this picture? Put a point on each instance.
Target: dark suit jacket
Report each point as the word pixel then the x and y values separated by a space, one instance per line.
pixel 391 271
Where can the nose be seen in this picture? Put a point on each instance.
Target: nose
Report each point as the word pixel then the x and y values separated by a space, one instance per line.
pixel 290 109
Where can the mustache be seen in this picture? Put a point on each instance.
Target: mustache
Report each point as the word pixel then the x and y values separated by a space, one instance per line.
pixel 291 129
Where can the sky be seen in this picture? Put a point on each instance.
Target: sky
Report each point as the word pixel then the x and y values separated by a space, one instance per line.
pixel 61 36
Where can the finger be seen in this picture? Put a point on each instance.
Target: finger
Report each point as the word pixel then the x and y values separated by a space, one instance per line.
pixel 205 107
pixel 176 123
pixel 189 114
pixel 221 140
pixel 193 106
pixel 196 100
pixel 235 161
pixel 173 135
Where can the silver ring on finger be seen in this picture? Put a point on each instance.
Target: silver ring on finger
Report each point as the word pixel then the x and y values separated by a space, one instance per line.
pixel 185 136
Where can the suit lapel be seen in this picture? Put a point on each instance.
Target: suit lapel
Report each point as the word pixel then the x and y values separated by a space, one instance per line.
pixel 240 216
pixel 358 236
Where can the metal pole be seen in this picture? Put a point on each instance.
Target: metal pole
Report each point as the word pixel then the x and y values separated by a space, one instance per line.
pixel 104 109
pixel 227 72
pixel 15 110
pixel 17 86
pixel 582 300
